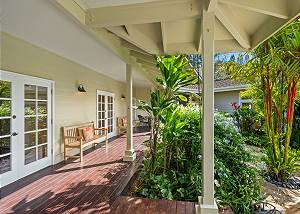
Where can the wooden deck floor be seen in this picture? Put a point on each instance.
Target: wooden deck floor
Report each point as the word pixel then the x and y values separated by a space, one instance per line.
pixel 129 205
pixel 94 187
pixel 72 188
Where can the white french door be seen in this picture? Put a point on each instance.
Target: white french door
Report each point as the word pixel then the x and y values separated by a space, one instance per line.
pixel 25 125
pixel 106 112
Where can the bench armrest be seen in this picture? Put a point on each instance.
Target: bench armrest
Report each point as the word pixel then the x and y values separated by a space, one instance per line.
pixel 99 129
pixel 102 129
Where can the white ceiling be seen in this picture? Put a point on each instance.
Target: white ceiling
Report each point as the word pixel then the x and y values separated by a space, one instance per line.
pixel 146 27
pixel 41 23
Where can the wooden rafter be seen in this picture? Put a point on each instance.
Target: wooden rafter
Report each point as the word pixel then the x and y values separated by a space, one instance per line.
pixel 163 35
pixel 137 38
pixel 276 8
pixel 143 13
pixel 225 17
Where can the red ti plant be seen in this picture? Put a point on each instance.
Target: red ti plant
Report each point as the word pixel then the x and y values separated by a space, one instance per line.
pixel 292 92
pixel 273 73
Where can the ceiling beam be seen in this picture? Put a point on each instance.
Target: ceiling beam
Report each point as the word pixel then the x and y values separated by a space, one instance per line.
pixel 226 18
pixel 144 57
pixel 146 63
pixel 74 9
pixel 269 28
pixel 200 37
pixel 273 24
pixel 109 3
pixel 221 46
pixel 132 47
pixel 143 13
pixel 109 40
pixel 137 38
pixel 211 5
pixel 276 8
pixel 163 36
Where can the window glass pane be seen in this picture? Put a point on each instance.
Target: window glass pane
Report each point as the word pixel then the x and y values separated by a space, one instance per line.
pixel 30 108
pixel 4 127
pixel 42 93
pixel 5 108
pixel 30 155
pixel 42 137
pixel 5 89
pixel 30 123
pixel 42 151
pixel 5 164
pixel 30 91
pixel 42 107
pixel 42 122
pixel 4 145
pixel 30 139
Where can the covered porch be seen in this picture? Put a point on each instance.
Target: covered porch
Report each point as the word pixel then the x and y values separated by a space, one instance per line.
pixel 72 187
pixel 133 34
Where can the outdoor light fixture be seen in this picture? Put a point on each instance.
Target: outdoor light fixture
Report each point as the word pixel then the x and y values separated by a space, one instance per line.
pixel 123 97
pixel 81 88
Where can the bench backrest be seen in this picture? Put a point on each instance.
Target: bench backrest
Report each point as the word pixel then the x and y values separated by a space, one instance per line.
pixel 74 131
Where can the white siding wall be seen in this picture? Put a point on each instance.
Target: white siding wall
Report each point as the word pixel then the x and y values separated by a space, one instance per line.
pixel 70 108
pixel 223 100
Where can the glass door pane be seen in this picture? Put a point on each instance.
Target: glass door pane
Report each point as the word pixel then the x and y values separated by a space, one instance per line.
pixel 5 126
pixel 110 113
pixel 35 123
pixel 101 113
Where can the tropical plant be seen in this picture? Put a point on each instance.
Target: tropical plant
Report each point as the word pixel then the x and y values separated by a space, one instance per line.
pixel 273 72
pixel 174 74
pixel 295 139
pixel 237 180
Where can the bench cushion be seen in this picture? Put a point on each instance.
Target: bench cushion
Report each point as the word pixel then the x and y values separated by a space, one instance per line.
pixel 88 133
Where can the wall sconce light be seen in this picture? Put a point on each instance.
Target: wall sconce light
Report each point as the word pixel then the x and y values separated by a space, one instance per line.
pixel 81 88
pixel 123 97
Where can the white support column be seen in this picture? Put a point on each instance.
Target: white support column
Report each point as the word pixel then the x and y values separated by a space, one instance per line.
pixel 207 201
pixel 129 153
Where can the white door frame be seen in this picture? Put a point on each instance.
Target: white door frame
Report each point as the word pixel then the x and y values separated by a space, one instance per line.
pixel 21 79
pixel 106 93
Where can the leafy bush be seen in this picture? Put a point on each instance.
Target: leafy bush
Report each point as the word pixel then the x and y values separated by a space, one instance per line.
pixel 249 123
pixel 295 141
pixel 238 180
pixel 255 139
pixel 279 169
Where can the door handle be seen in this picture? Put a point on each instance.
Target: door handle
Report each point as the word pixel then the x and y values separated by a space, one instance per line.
pixel 14 134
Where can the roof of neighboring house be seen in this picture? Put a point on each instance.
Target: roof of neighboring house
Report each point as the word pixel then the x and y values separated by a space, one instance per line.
pixel 220 86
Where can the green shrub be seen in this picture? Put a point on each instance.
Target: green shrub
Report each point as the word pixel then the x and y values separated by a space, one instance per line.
pixel 238 179
pixel 249 123
pixel 295 141
pixel 255 139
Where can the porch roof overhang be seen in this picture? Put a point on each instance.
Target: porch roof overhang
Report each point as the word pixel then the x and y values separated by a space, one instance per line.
pixel 137 29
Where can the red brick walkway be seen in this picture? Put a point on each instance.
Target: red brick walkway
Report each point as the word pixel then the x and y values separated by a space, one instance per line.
pixel 70 188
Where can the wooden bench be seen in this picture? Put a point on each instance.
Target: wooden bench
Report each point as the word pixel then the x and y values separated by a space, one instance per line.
pixel 73 137
pixel 122 125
